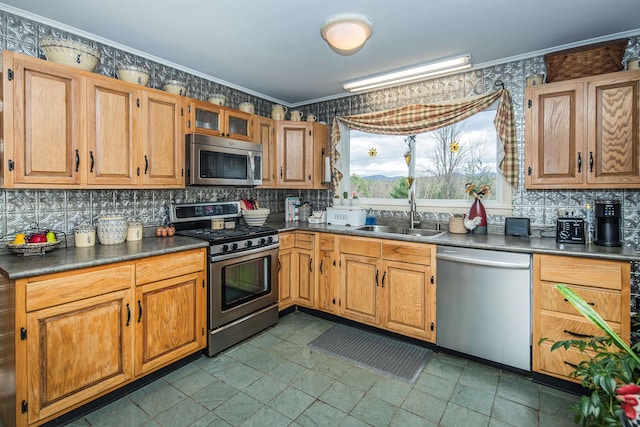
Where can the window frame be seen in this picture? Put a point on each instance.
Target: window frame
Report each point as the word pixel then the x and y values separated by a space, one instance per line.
pixel 501 206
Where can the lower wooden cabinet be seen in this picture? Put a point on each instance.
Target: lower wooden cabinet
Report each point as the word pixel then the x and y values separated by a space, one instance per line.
pixel 84 333
pixel 304 272
pixel 285 270
pixel 389 284
pixel 604 284
pixel 327 260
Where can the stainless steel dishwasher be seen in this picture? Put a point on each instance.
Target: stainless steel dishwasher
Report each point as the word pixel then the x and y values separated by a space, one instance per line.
pixel 483 304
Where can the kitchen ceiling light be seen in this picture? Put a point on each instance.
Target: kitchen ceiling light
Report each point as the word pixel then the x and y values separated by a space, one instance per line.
pixel 420 72
pixel 346 33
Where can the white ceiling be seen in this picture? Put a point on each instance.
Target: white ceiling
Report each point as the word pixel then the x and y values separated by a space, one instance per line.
pixel 274 49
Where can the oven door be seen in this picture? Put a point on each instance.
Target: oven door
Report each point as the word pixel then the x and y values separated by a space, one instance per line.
pixel 242 284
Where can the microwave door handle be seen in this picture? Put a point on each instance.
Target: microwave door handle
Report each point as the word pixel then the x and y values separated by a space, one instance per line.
pixel 252 168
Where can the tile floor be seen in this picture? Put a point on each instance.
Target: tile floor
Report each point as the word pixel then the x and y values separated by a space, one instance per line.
pixel 274 379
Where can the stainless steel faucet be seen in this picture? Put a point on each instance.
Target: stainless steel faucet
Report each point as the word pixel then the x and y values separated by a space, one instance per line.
pixel 412 208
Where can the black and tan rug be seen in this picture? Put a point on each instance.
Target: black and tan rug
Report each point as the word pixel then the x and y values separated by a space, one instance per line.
pixel 373 351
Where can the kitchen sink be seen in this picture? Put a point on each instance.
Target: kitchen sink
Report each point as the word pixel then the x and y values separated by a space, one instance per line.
pixel 400 230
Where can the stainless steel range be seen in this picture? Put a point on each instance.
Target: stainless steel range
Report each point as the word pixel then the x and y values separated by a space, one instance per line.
pixel 243 271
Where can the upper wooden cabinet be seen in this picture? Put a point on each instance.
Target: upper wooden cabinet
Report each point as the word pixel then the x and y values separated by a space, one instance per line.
pixel 300 151
pixel 264 133
pixel 67 128
pixel 584 133
pixel 211 119
pixel 42 123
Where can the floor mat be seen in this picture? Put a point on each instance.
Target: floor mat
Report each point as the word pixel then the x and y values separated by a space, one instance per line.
pixel 382 354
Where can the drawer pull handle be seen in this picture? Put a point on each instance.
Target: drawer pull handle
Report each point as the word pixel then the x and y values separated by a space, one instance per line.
pixel 140 311
pixel 377 283
pixel 590 303
pixel 321 261
pixel 571 364
pixel 128 315
pixel 383 276
pixel 575 334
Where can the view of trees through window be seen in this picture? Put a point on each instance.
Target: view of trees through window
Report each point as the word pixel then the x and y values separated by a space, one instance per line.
pixel 444 161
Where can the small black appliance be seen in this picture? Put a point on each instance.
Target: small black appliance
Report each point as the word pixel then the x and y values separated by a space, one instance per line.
pixel 570 230
pixel 608 223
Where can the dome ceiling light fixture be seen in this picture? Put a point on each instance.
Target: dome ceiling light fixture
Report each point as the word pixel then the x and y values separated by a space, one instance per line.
pixel 413 74
pixel 346 33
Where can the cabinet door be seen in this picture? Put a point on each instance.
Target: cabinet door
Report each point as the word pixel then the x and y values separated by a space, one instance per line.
pixel 78 350
pixel 44 142
pixel 320 152
pixel 614 131
pixel 359 288
pixel 203 118
pixel 407 295
pixel 162 161
pixel 555 135
pixel 237 125
pixel 264 133
pixel 295 154
pixel 285 282
pixel 305 275
pixel 170 320
pixel 113 135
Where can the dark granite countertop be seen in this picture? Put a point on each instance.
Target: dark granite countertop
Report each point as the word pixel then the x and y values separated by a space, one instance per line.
pixel 543 245
pixel 62 259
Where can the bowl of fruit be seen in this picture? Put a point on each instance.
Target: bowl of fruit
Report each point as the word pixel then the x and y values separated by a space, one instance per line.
pixel 34 242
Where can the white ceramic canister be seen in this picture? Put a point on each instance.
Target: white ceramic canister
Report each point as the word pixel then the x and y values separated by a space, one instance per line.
pixel 247 107
pixel 85 235
pixel 112 229
pixel 134 229
pixel 217 223
pixel 217 99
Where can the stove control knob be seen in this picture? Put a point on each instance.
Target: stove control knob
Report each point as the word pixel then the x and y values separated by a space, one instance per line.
pixel 224 248
pixel 262 241
pixel 248 244
pixel 234 246
pixel 270 239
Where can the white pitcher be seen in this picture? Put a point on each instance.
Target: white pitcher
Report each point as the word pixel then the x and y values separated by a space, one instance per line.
pixel 311 117
pixel 278 112
pixel 296 116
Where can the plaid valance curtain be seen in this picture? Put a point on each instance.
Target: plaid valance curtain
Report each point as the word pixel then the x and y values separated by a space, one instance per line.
pixel 419 118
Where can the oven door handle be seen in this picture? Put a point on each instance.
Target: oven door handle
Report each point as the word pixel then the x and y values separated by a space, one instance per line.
pixel 224 257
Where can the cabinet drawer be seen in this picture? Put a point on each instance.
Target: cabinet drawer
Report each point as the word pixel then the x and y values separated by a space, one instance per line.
pixel 55 289
pixel 327 242
pixel 360 246
pixel 605 303
pixel 286 240
pixel 305 240
pixel 560 362
pixel 167 266
pixel 583 271
pixel 414 253
pixel 559 327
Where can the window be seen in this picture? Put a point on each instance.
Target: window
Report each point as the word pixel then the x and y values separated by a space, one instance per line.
pixel 441 162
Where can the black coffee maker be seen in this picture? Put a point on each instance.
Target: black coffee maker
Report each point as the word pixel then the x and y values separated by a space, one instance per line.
pixel 608 219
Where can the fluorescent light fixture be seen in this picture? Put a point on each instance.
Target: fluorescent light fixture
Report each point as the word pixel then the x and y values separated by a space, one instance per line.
pixel 420 72
pixel 346 33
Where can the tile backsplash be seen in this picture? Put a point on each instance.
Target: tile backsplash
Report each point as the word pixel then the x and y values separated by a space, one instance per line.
pixel 63 209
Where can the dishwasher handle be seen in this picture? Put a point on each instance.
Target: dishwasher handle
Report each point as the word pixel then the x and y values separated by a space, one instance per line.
pixel 485 262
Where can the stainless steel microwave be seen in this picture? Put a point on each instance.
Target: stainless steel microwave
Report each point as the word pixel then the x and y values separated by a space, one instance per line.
pixel 213 160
